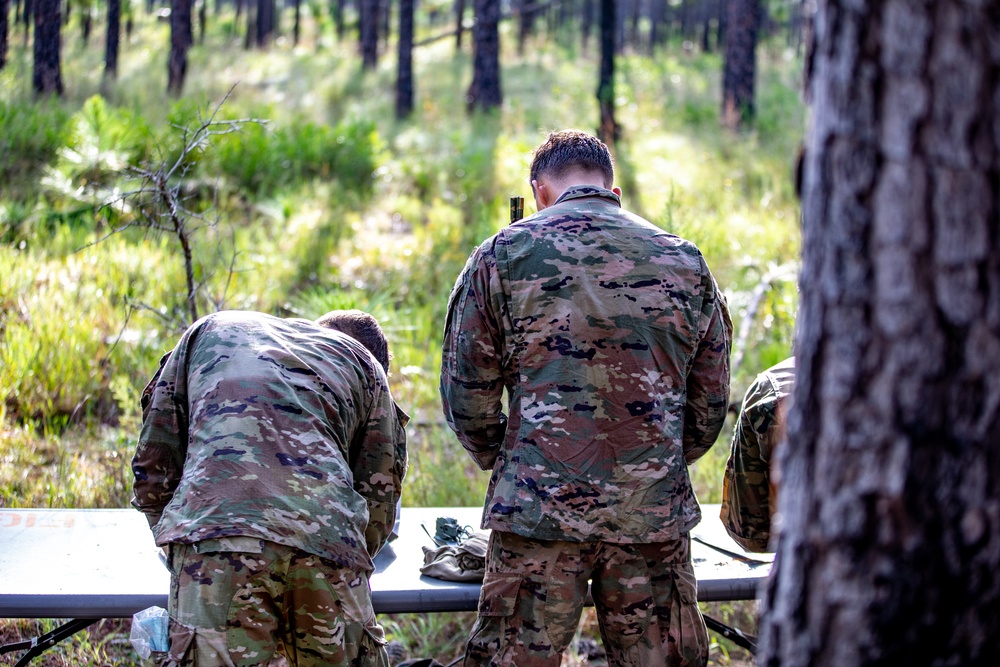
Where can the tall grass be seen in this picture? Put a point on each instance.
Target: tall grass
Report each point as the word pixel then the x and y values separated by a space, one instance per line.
pixel 332 202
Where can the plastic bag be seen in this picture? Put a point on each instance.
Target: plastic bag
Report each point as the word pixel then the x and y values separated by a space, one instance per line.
pixel 150 631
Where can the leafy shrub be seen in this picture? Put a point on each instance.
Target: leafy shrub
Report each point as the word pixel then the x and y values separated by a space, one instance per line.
pixel 259 161
pixel 30 136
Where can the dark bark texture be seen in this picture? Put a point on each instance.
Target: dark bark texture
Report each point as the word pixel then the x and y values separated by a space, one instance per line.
pixel 608 129
pixel 47 70
pixel 404 73
pixel 180 41
pixel 4 30
pixel 484 91
pixel 889 548
pixel 740 68
pixel 368 30
pixel 112 39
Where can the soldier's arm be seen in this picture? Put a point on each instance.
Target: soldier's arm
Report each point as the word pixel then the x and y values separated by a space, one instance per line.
pixel 158 461
pixel 746 502
pixel 708 380
pixel 471 366
pixel 378 465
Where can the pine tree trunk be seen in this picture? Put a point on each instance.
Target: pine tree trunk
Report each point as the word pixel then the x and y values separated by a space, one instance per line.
pixel 740 69
pixel 459 26
pixel 265 23
pixel 608 130
pixel 484 91
pixel 368 28
pixel 112 40
pixel 404 75
pixel 586 23
pixel 889 550
pixel 180 42
pixel 4 29
pixel 47 72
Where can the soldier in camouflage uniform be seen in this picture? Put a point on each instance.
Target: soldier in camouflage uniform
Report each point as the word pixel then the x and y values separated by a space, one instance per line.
pixel 269 464
pixel 748 490
pixel 612 341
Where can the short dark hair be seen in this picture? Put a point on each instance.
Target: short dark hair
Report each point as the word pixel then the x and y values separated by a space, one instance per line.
pixel 572 149
pixel 363 328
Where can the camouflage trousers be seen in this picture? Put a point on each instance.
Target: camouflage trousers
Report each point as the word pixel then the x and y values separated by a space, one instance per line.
pixel 236 602
pixel 534 591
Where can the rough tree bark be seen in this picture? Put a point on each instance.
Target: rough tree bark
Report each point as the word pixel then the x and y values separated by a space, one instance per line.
pixel 889 548
pixel 608 130
pixel 404 73
pixel 47 70
pixel 740 69
pixel 484 91
pixel 180 41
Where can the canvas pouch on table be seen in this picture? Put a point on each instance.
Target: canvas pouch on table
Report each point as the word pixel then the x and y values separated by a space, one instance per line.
pixel 465 561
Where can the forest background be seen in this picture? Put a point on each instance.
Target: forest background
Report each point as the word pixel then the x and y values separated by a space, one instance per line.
pixel 296 188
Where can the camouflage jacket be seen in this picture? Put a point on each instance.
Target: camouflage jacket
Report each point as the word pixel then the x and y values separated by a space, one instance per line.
pixel 747 491
pixel 612 340
pixel 275 429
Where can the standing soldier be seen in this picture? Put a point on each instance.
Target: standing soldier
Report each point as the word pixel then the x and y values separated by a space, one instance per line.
pixel 612 340
pixel 269 464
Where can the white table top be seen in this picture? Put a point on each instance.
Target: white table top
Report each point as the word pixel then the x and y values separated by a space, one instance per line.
pixel 71 563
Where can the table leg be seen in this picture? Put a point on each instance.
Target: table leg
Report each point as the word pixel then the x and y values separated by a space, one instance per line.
pixel 734 635
pixel 36 646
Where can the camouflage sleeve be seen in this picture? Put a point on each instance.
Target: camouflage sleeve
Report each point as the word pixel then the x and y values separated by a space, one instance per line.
pixel 471 373
pixel 708 379
pixel 746 506
pixel 159 456
pixel 378 464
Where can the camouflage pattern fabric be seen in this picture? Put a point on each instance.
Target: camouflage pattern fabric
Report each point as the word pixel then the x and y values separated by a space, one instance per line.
pixel 748 492
pixel 612 340
pixel 276 429
pixel 534 592
pixel 268 604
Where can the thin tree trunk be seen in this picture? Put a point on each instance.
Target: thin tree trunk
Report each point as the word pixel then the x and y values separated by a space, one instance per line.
pixel 740 69
pixel 112 40
pixel 4 28
pixel 484 92
pixel 47 71
pixel 586 23
pixel 338 18
pixel 404 75
pixel 368 28
pixel 180 42
pixel 26 18
pixel 296 30
pixel 608 130
pixel 265 23
pixel 459 23
pixel 202 21
pixel 86 24
pixel 889 546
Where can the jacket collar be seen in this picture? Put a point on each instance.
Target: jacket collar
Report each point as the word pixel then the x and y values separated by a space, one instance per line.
pixel 581 191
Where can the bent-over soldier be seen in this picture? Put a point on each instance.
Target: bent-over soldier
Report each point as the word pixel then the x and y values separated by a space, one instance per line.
pixel 269 464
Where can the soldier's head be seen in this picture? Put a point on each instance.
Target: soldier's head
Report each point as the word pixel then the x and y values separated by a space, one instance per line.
pixel 567 158
pixel 363 328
